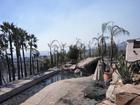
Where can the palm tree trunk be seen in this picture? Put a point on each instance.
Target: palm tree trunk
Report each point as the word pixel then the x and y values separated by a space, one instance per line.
pixel 57 59
pixel 12 60
pixel 54 59
pixel 25 70
pixel 90 52
pixel 8 66
pixel 21 65
pixel 102 48
pixel 51 56
pixel 0 75
pixel 99 50
pixel 18 65
pixel 111 54
pixel 80 55
pixel 84 53
pixel 33 71
pixel 37 63
pixel 30 60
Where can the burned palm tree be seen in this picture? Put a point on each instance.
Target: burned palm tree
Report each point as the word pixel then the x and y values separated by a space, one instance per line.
pixel 62 52
pixel 81 47
pixel 97 39
pixel 50 45
pixel 90 42
pixel 115 30
pixel 56 54
pixel 103 39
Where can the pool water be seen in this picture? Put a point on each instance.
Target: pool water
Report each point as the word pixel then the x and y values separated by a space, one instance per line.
pixel 21 97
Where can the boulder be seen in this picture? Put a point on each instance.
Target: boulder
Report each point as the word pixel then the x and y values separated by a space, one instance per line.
pixel 136 101
pixel 110 95
pixel 127 99
pixel 96 91
pixel 116 77
pixel 98 75
pixel 115 92
pixel 129 88
pixel 106 102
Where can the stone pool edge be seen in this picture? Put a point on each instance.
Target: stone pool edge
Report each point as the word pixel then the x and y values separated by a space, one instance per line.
pixel 21 85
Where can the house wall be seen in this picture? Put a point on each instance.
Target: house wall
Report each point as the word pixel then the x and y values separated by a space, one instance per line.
pixel 130 55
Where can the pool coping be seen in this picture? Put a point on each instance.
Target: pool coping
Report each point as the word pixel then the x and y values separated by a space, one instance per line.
pixel 18 86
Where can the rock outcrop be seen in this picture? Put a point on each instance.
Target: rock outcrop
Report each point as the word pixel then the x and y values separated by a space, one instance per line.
pixel 127 99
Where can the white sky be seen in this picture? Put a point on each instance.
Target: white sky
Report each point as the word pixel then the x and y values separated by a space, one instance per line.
pixel 66 20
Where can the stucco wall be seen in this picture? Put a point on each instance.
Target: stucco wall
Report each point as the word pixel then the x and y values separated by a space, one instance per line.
pixel 132 56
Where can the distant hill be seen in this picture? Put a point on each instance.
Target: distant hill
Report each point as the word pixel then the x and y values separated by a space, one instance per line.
pixel 122 46
pixel 44 53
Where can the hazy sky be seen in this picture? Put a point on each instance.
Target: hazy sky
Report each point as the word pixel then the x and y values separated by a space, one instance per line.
pixel 66 20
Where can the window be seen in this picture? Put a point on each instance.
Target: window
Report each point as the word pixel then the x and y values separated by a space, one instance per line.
pixel 136 44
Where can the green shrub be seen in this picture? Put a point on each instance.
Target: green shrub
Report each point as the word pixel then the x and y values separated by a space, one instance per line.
pixel 124 70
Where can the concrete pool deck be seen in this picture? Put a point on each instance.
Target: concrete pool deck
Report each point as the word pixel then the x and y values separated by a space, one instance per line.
pixel 66 92
pixel 18 86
